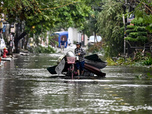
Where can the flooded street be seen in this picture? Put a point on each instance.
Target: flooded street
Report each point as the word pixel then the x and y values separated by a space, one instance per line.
pixel 26 88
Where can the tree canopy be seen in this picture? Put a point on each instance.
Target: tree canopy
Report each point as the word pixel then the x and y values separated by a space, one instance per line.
pixel 144 10
pixel 110 25
pixel 41 15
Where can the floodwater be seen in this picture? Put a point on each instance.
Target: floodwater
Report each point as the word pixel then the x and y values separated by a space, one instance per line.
pixel 26 88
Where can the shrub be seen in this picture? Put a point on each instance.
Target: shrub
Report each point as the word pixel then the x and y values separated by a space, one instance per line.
pixel 130 27
pixel 110 62
pixel 148 61
pixel 130 30
pixel 133 34
pixel 140 28
pixel 131 39
pixel 142 38
pixel 138 21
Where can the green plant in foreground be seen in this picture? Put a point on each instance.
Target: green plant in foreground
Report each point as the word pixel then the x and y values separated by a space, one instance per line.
pixel 110 62
pixel 128 61
pixel 120 61
pixel 148 61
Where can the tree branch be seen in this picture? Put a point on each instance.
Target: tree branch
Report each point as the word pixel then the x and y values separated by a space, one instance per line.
pixel 147 7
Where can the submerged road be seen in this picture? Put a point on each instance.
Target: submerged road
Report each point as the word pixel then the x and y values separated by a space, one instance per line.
pixel 26 87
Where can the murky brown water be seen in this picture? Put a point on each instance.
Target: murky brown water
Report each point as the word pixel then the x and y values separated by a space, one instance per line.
pixel 25 88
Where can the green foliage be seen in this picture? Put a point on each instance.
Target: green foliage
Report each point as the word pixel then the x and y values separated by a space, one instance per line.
pixel 138 60
pixel 40 49
pixel 130 30
pixel 142 34
pixel 130 27
pixel 131 39
pixel 97 47
pixel 149 28
pixel 110 62
pixel 138 21
pixel 138 57
pixel 133 34
pixel 149 75
pixel 139 76
pixel 143 10
pixel 110 25
pixel 90 26
pixel 142 39
pixel 119 61
pixel 140 28
pixel 39 16
pixel 137 32
pixel 128 61
pixel 43 15
pixel 148 61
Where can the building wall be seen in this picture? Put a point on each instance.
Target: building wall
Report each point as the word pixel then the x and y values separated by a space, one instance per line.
pixel 74 35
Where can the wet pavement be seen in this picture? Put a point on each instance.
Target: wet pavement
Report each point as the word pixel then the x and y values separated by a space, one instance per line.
pixel 26 88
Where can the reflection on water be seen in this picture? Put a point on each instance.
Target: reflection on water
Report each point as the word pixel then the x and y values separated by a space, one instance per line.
pixel 25 87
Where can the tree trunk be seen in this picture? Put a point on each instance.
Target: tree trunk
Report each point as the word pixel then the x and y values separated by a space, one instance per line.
pixel 16 41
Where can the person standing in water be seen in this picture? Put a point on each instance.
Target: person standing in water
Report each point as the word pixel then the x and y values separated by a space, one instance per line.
pixel 80 62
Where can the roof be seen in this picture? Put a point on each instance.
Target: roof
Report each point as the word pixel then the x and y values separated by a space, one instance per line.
pixel 62 33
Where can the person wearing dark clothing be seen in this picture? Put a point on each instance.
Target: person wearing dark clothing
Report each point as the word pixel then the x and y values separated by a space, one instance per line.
pixel 80 62
pixel 10 43
pixel 62 43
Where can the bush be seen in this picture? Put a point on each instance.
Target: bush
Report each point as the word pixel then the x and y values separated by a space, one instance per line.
pixel 138 56
pixel 110 62
pixel 138 21
pixel 131 39
pixel 130 30
pixel 148 61
pixel 142 39
pixel 120 61
pixel 130 27
pixel 140 28
pixel 133 34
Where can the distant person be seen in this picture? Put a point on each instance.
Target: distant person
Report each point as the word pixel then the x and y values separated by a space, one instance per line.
pixel 62 44
pixel 10 44
pixel 80 62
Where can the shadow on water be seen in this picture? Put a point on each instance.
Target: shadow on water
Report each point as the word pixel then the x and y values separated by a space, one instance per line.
pixel 26 87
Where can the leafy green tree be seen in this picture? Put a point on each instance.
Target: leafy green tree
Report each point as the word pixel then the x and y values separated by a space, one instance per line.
pixel 144 10
pixel 137 32
pixel 91 25
pixel 39 16
pixel 110 25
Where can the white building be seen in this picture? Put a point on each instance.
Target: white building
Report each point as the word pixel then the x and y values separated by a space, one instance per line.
pixel 75 36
